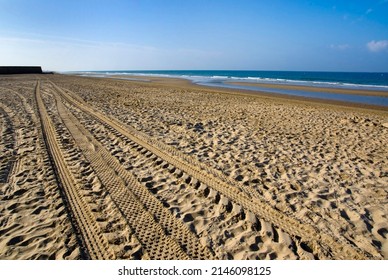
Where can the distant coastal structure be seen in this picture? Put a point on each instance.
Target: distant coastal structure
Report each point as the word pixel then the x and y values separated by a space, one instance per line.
pixel 7 70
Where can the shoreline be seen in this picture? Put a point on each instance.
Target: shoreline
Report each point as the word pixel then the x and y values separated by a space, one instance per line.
pixel 188 84
pixel 382 93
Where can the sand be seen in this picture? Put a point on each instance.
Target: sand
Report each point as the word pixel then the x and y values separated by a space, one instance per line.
pixel 95 168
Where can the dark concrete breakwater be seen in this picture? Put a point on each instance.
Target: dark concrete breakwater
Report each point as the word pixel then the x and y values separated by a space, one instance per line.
pixel 7 70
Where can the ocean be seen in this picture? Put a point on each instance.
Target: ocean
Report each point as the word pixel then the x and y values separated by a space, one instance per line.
pixel 220 78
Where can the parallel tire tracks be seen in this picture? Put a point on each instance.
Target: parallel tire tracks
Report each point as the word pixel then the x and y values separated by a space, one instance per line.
pixel 160 233
pixel 96 245
pixel 324 245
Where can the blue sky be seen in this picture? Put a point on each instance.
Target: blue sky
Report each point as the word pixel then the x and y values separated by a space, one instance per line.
pixel 201 34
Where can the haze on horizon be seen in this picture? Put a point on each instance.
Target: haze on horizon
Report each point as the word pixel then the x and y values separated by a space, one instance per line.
pixel 202 34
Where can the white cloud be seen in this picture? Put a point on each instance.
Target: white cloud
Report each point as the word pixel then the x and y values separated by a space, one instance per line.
pixel 368 11
pixel 71 54
pixel 377 46
pixel 340 47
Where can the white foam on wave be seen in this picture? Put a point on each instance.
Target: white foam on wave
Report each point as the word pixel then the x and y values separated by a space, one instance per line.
pixel 220 77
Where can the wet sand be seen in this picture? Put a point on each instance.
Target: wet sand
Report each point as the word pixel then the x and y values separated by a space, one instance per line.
pixel 382 93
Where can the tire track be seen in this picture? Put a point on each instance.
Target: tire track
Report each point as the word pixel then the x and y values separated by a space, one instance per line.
pixel 323 245
pixel 96 245
pixel 113 226
pixel 7 145
pixel 32 190
pixel 13 123
pixel 161 235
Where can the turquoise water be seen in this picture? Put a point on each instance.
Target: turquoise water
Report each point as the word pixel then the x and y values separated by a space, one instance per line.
pixel 219 78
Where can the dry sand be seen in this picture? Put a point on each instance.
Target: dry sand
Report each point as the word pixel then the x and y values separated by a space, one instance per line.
pixel 94 168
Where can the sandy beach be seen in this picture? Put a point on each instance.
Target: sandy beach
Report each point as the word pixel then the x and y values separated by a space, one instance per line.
pixel 97 168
